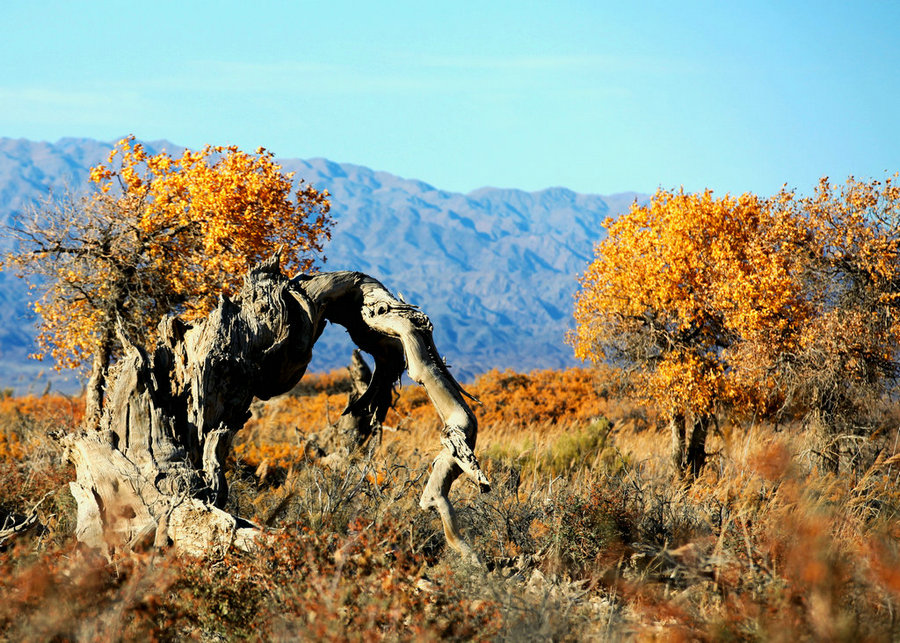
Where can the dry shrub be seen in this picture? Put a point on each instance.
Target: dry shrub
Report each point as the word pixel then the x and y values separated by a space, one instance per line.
pixel 336 382
pixel 33 473
pixel 518 399
pixel 584 536
pixel 301 584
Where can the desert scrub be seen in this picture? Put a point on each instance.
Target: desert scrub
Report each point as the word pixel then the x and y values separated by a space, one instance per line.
pixel 359 584
pixel 559 451
pixel 33 471
pixel 589 533
pixel 761 546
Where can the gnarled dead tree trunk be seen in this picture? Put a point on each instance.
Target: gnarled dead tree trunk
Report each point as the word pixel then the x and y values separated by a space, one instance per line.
pixel 154 472
pixel 358 427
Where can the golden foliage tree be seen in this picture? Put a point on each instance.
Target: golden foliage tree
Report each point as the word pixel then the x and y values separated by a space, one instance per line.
pixel 844 358
pixel 672 287
pixel 159 235
pixel 745 301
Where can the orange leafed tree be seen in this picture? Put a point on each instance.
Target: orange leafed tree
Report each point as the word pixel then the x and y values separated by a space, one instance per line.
pixel 845 358
pixel 159 235
pixel 673 287
pixel 750 303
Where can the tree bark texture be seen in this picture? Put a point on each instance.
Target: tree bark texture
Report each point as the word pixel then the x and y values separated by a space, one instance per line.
pixel 696 452
pixel 357 426
pixel 689 451
pixel 154 471
pixel 93 402
pixel 677 431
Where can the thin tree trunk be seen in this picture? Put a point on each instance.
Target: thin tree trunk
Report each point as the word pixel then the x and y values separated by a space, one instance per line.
pixel 696 453
pixel 677 431
pixel 827 435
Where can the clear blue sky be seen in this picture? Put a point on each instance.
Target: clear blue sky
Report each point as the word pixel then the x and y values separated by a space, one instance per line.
pixel 596 96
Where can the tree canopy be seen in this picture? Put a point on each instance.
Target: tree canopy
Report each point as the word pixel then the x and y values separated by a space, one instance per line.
pixel 749 302
pixel 159 235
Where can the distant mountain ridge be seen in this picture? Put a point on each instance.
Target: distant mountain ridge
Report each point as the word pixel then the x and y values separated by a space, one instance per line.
pixel 495 269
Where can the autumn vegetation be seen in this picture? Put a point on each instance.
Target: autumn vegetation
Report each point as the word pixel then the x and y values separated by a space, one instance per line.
pixel 583 537
pixel 726 468
pixel 157 235
pixel 750 305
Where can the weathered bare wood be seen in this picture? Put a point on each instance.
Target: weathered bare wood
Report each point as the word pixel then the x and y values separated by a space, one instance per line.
pixel 12 525
pixel 154 472
pixel 358 426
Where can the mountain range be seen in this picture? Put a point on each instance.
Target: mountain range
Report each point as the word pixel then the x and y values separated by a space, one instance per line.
pixel 495 269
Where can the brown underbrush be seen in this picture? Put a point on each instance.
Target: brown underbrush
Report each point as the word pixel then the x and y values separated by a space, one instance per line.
pixel 584 536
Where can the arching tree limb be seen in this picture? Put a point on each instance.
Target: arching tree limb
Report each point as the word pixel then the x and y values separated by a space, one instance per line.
pixel 154 471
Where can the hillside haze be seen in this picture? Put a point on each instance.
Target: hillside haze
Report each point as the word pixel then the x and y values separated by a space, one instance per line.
pixel 495 269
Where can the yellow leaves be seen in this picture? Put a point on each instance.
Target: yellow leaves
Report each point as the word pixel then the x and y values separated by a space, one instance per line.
pixel 167 234
pixel 692 383
pixel 231 205
pixel 703 294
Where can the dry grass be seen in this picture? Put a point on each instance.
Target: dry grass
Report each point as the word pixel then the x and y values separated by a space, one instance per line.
pixel 584 537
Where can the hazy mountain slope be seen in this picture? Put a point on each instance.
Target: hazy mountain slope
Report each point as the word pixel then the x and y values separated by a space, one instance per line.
pixel 495 269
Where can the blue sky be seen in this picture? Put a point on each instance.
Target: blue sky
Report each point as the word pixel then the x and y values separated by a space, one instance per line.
pixel 595 96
